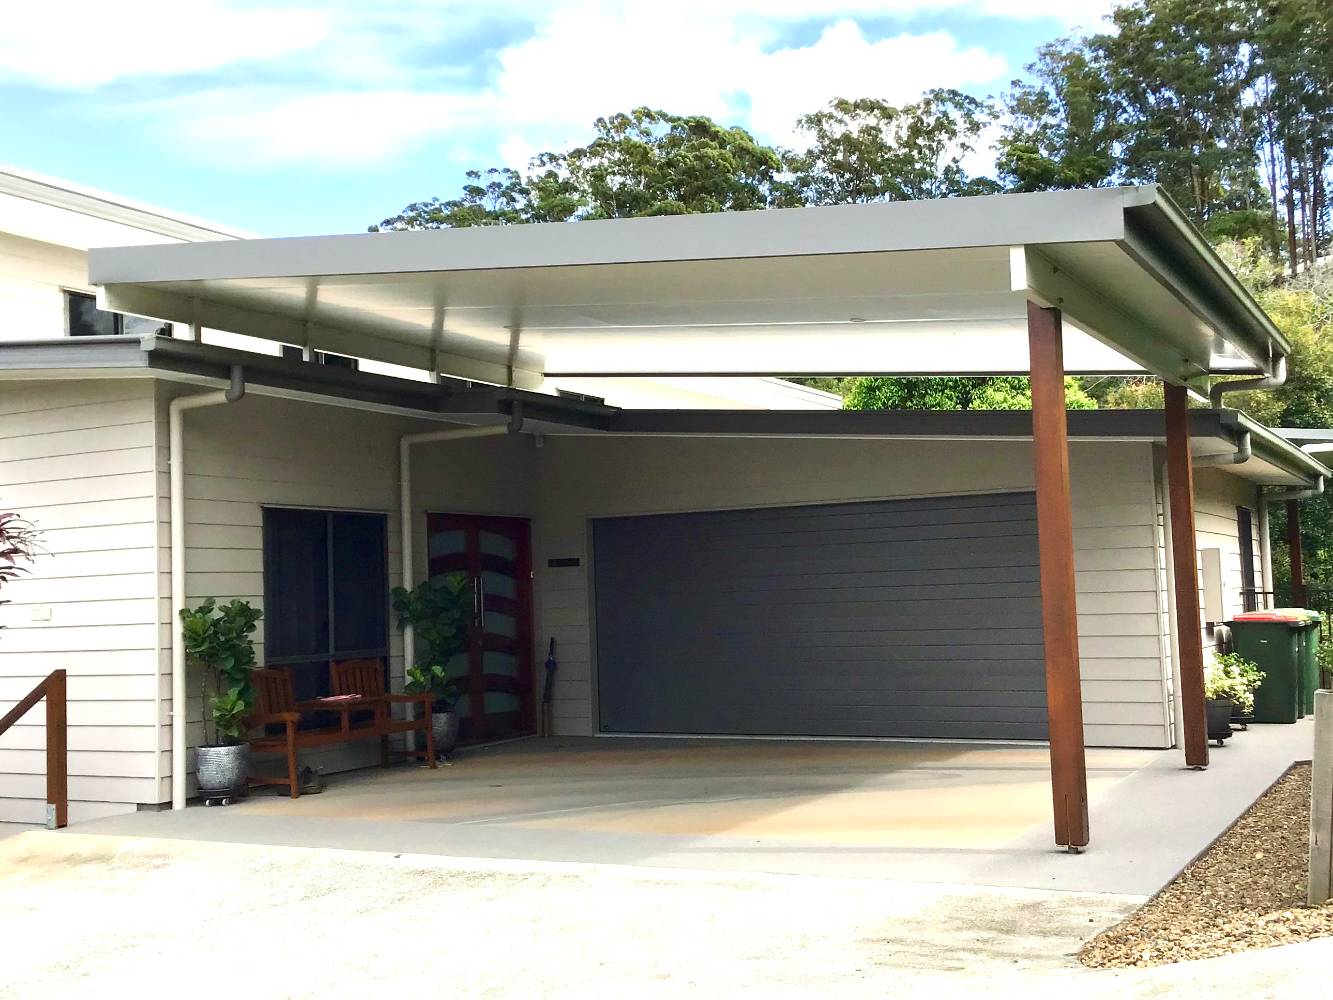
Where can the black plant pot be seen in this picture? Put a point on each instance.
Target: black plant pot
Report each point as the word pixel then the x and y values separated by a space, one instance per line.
pixel 1239 719
pixel 1219 719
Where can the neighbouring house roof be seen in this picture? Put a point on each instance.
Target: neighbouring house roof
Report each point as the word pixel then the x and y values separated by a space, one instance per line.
pixel 926 287
pixel 57 211
pixel 1214 433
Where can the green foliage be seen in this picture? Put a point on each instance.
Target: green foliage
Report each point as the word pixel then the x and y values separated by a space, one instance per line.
pixel 642 162
pixel 1061 126
pixel 867 150
pixel 1233 678
pixel 218 642
pixel 1004 392
pixel 437 610
pixel 649 162
pixel 435 681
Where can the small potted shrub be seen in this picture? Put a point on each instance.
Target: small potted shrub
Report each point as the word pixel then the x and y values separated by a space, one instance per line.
pixel 444 692
pixel 1228 685
pixel 218 644
pixel 437 611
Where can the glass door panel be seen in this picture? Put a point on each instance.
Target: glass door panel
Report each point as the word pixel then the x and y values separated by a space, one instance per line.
pixel 494 553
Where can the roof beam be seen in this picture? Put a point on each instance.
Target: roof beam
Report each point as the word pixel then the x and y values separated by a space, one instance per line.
pixel 1115 325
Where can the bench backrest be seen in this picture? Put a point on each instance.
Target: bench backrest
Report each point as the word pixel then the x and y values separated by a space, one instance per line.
pixel 363 677
pixel 273 691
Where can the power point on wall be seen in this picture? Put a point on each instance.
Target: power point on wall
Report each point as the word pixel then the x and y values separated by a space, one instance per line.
pixel 40 614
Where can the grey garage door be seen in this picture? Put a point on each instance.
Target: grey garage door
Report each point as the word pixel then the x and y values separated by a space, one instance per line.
pixel 909 618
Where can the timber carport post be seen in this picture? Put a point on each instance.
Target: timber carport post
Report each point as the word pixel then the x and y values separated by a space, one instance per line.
pixel 1055 543
pixel 1185 566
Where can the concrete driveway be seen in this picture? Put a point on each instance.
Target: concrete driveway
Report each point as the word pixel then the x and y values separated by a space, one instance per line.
pixel 964 814
pixel 640 868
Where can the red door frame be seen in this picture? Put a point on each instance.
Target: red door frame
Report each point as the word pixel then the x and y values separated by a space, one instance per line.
pixel 480 725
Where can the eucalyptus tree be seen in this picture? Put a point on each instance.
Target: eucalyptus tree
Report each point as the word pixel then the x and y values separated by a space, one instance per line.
pixel 865 149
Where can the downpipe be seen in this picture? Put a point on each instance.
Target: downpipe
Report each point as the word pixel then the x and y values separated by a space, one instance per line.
pixel 406 548
pixel 176 470
pixel 1243 453
pixel 1219 389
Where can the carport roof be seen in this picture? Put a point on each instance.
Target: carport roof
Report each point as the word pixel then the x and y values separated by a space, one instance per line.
pixel 909 288
pixel 1275 461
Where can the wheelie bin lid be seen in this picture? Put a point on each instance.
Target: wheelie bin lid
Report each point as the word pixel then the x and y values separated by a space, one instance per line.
pixel 1293 616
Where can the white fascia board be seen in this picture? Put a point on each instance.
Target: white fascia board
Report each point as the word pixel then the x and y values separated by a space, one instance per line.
pixel 66 214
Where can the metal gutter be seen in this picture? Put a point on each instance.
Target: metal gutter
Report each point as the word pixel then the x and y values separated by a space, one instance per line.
pixel 1153 220
pixel 1277 449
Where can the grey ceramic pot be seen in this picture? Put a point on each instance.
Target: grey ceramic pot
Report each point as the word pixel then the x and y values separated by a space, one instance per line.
pixel 444 727
pixel 222 769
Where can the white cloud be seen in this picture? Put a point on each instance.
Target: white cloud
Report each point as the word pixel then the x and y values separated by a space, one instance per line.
pixel 79 44
pixel 351 128
pixel 366 102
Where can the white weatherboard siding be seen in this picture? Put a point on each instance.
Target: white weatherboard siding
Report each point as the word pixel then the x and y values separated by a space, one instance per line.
pixel 77 459
pixel 32 276
pixel 1217 494
pixel 263 451
pixel 1114 520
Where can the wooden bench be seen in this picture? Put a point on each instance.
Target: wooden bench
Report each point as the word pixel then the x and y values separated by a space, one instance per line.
pixel 276 704
pixel 366 679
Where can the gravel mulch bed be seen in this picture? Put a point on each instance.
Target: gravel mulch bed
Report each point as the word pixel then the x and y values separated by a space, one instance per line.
pixel 1248 891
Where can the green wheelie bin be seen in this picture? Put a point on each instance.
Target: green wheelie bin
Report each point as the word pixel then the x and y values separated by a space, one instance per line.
pixel 1308 636
pixel 1272 639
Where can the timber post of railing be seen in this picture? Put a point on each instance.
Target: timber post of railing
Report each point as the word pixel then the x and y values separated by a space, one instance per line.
pixel 1321 801
pixel 52 688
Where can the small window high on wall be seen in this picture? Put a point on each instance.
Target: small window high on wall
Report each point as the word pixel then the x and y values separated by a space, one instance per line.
pixel 84 319
pixel 325 592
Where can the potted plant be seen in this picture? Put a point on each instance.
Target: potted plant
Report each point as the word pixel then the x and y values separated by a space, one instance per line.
pixel 437 611
pixel 444 691
pixel 1229 683
pixel 218 644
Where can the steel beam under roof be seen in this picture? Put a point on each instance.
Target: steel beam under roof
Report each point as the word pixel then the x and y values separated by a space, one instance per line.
pixel 930 287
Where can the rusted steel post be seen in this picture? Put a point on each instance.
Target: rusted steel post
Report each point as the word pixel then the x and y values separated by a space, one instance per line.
pixel 1185 564
pixel 1055 542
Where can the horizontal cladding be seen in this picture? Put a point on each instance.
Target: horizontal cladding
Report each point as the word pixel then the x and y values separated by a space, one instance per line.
pixel 77 459
pixel 1116 552
pixel 775 662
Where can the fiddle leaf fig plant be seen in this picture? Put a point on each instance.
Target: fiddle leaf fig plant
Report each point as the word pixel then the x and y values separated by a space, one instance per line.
pixel 436 682
pixel 218 642
pixel 437 611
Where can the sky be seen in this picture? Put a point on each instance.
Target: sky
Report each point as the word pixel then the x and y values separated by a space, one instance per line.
pixel 297 117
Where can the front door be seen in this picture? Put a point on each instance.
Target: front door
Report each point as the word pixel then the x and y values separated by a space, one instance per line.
pixel 496 669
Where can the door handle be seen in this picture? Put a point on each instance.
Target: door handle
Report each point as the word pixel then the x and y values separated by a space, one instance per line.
pixel 481 593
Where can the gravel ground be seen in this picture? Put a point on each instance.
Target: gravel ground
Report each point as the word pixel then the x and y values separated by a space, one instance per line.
pixel 1248 891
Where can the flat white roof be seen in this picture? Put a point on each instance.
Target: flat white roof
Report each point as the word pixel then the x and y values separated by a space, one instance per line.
pixel 929 287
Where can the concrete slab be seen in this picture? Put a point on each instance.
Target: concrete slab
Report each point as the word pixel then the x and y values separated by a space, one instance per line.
pixel 960 814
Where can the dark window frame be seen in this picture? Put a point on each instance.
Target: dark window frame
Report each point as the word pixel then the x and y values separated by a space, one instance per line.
pixel 163 328
pixel 380 612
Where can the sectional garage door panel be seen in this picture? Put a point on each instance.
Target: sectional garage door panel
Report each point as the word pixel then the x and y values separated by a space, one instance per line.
pixel 908 618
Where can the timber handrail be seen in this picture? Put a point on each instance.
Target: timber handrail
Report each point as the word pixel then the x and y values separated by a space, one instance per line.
pixel 52 688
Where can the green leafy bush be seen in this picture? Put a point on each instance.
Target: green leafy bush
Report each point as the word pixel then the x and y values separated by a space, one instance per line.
pixel 435 681
pixel 1232 678
pixel 218 643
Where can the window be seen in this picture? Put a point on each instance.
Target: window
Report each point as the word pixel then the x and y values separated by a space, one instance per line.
pixel 294 353
pixel 1249 596
pixel 84 319
pixel 325 592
